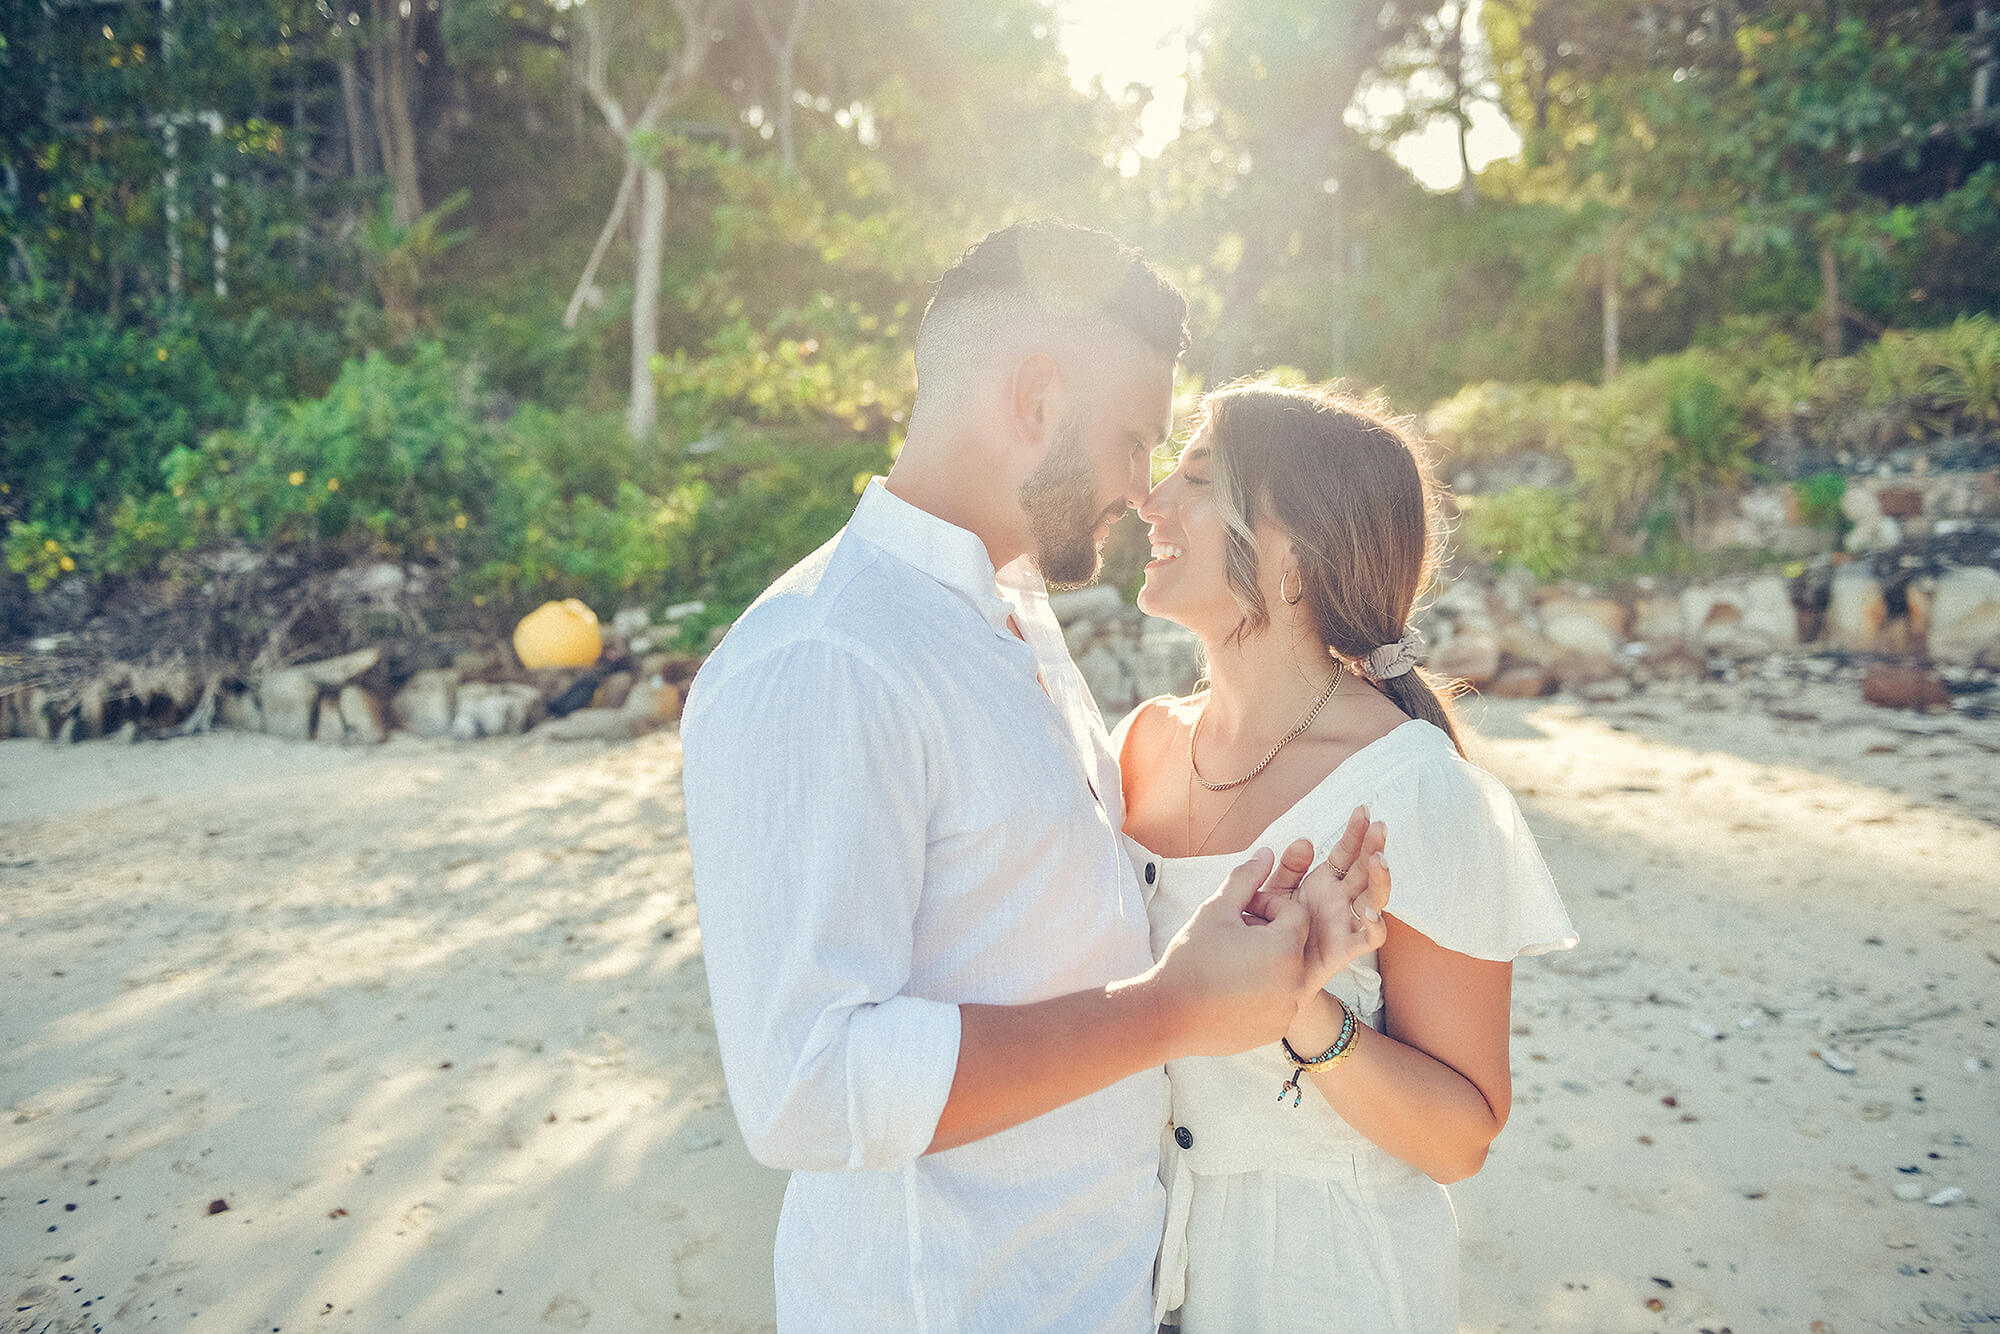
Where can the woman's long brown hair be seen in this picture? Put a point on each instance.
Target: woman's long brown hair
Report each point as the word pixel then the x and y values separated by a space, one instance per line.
pixel 1349 486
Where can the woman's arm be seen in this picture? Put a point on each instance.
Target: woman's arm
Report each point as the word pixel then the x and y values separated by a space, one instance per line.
pixel 1435 1088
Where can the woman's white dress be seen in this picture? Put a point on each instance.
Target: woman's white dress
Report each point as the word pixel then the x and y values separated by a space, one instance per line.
pixel 1286 1218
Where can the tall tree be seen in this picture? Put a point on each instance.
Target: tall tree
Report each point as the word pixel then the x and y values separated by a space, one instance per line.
pixel 634 93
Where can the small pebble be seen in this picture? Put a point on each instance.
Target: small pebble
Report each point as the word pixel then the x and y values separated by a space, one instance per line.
pixel 1836 1062
pixel 1949 1195
pixel 1909 1191
pixel 1708 1032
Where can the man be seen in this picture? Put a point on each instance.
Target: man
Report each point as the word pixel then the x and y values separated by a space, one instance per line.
pixel 926 946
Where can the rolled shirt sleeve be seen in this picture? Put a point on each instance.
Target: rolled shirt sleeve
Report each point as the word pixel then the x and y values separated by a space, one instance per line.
pixel 807 807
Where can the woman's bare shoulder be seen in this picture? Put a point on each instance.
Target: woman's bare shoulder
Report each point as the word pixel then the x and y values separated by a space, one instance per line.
pixel 1154 724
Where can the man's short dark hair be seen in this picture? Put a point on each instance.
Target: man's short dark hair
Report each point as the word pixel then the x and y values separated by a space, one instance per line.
pixel 1050 271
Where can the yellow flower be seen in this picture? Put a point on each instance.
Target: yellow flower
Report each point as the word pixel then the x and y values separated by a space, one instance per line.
pixel 68 563
pixel 160 353
pixel 50 544
pixel 76 201
pixel 458 521
pixel 297 478
pixel 333 484
pixel 478 599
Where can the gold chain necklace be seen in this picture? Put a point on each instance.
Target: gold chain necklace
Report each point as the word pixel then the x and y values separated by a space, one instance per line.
pixel 1339 670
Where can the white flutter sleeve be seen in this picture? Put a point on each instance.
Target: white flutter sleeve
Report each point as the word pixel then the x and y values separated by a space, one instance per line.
pixel 1465 868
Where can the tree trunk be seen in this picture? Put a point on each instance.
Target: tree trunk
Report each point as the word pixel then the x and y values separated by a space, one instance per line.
pixel 1983 25
pixel 619 205
pixel 1468 194
pixel 642 415
pixel 392 58
pixel 784 49
pixel 1608 271
pixel 1829 299
pixel 786 152
pixel 357 117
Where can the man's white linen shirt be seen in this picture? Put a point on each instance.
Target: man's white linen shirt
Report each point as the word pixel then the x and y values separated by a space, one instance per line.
pixel 896 805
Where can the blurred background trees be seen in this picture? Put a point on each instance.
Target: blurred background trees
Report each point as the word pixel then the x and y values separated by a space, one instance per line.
pixel 617 299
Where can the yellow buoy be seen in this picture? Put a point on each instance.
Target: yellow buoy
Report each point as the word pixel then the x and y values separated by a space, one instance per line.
pixel 559 634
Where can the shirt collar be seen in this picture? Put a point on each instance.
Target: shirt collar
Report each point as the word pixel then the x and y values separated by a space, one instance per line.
pixel 947 553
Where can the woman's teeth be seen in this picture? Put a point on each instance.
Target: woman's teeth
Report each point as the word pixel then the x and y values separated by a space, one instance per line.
pixel 1166 551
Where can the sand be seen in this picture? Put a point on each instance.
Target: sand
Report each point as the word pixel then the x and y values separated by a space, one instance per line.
pixel 429 1020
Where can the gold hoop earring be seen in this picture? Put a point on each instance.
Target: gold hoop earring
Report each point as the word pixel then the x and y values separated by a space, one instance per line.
pixel 1293 600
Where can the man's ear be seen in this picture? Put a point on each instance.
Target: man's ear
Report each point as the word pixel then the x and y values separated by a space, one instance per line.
pixel 1036 403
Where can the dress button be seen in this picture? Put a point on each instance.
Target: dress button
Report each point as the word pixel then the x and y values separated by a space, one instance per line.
pixel 1184 1137
pixel 1151 872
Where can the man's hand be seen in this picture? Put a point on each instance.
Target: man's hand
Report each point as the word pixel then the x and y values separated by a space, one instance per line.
pixel 1232 980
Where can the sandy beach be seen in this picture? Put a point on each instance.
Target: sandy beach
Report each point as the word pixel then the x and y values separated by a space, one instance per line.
pixel 416 1037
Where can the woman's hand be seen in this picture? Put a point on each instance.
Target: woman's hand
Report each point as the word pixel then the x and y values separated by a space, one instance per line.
pixel 1345 896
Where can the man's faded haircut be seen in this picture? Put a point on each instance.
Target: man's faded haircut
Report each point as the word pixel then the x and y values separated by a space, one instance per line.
pixel 1044 277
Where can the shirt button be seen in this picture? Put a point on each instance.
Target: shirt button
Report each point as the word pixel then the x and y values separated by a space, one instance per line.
pixel 1184 1137
pixel 1151 872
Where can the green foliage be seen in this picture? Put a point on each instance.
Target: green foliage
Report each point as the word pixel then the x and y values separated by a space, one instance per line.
pixel 1544 532
pixel 389 458
pixel 1819 497
pixel 1965 364
pixel 34 550
pixel 1491 421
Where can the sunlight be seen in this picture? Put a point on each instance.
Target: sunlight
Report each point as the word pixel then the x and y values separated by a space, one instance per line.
pixel 1123 42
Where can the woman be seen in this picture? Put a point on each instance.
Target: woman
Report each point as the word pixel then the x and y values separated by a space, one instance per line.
pixel 1305 1180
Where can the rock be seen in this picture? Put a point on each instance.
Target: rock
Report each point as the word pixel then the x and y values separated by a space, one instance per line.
pixel 1964 616
pixel 1949 1195
pixel 1743 619
pixel 1658 619
pixel 1472 656
pixel 1098 602
pixel 326 727
pixel 287 699
pixel 629 621
pixel 485 709
pixel 1603 690
pixel 1579 669
pixel 1892 687
pixel 1591 626
pixel 653 704
pixel 363 720
pixel 333 673
pixel 1522 644
pixel 238 707
pixel 427 702
pixel 1110 678
pixel 1900 502
pixel 612 693
pixel 1856 610
pixel 1908 1191
pixel 1168 661
pixel 590 725
pixel 41 715
pixel 1526 682
pixel 1673 662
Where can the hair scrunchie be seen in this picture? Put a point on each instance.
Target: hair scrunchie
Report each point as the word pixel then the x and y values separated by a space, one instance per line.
pixel 1392 660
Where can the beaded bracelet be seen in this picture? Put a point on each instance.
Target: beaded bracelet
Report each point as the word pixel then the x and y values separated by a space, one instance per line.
pixel 1340 1050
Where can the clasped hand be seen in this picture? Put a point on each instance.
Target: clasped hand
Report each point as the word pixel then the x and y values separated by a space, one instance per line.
pixel 1272 935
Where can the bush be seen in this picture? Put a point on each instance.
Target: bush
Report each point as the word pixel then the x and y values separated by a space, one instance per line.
pixel 1544 532
pixel 1965 372
pixel 1490 422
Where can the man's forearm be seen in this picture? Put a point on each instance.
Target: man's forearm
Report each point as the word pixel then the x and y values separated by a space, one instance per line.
pixel 1017 1061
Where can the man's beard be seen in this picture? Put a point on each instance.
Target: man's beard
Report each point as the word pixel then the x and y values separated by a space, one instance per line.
pixel 1065 511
